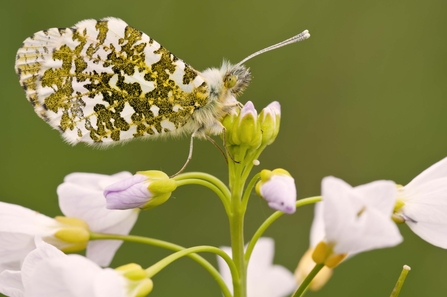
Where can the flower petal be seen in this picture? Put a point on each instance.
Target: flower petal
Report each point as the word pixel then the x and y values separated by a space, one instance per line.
pixel 95 181
pixel 102 287
pixel 263 278
pixel 426 210
pixel 11 283
pixel 352 222
pixel 437 170
pixel 90 206
pixel 102 251
pixel 18 226
pixel 377 194
pixel 317 233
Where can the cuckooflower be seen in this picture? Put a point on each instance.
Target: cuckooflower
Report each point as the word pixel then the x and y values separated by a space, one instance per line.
pixel 19 225
pixel 306 263
pixel 46 271
pixel 356 219
pixel 145 190
pixel 422 204
pixel 263 278
pixel 82 202
pixel 277 187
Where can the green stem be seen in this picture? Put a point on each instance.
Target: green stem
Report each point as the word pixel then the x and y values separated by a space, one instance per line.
pixel 270 220
pixel 157 267
pixel 236 219
pixel 251 156
pixel 303 287
pixel 249 188
pixel 225 199
pixel 237 247
pixel 170 246
pixel 400 281
pixel 208 177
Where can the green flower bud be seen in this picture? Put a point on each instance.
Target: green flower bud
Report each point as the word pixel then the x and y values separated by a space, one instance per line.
pixel 249 131
pixel 269 120
pixel 138 284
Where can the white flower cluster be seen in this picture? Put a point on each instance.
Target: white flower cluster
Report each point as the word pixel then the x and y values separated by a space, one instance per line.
pixel 351 220
pixel 31 259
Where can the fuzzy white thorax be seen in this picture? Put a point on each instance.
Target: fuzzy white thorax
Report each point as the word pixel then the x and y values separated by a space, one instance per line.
pixel 222 97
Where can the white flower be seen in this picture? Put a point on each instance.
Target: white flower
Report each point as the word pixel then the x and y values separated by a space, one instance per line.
pixel 263 278
pixel 81 196
pixel 46 271
pixel 19 225
pixel 82 202
pixel 145 190
pixel 423 204
pixel 277 187
pixel 358 219
pixel 306 263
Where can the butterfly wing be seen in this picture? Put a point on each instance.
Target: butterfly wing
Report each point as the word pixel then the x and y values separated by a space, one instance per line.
pixel 101 82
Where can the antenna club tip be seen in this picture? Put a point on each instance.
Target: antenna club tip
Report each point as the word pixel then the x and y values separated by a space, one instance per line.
pixel 306 34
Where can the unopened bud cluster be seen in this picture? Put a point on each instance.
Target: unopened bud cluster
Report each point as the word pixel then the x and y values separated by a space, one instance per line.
pixel 247 133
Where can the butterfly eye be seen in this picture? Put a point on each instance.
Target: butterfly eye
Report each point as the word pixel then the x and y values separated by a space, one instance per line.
pixel 230 81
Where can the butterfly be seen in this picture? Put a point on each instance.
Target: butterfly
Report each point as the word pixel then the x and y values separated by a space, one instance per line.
pixel 103 82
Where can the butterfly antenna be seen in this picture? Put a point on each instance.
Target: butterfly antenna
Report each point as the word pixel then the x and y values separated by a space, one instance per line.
pixel 297 38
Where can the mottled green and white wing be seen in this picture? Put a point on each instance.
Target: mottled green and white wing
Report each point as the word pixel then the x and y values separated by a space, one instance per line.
pixel 101 82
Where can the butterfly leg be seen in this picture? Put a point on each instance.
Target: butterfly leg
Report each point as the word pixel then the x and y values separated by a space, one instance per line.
pixel 191 146
pixel 218 147
pixel 224 131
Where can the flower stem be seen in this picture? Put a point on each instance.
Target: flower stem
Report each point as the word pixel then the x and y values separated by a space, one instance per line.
pixel 236 219
pixel 223 197
pixel 270 220
pixel 303 287
pixel 170 246
pixel 157 267
pixel 205 176
pixel 249 188
pixel 400 281
pixel 237 247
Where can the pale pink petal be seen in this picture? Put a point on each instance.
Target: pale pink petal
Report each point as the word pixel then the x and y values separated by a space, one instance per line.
pixel 11 283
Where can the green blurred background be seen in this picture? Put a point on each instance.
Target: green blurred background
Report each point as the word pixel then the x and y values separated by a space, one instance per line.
pixel 363 99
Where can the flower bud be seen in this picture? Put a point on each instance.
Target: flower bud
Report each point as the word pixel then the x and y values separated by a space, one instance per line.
pixel 248 128
pixel 243 128
pixel 277 187
pixel 269 120
pixel 229 122
pixel 138 283
pixel 145 190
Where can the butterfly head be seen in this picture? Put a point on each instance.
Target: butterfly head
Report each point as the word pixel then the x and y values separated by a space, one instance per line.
pixel 236 79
